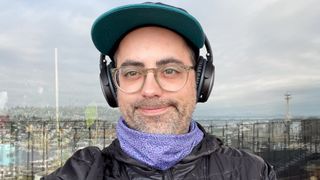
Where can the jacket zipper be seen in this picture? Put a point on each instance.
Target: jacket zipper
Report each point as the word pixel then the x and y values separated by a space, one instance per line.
pixel 206 168
pixel 168 175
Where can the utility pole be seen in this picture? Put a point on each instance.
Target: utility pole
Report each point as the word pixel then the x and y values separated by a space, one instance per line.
pixel 287 98
pixel 58 128
pixel 287 119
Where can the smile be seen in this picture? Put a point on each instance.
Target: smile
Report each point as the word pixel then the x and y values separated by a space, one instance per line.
pixel 153 111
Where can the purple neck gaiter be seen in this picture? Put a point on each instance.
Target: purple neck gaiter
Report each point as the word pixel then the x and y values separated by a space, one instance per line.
pixel 160 151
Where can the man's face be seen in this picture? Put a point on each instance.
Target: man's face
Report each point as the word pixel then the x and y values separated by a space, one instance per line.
pixel 152 109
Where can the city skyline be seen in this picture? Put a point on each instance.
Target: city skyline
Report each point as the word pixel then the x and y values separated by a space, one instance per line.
pixel 262 50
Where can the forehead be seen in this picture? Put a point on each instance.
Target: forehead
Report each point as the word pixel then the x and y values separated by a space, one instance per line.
pixel 148 45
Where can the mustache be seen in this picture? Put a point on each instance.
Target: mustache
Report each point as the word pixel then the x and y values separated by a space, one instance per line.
pixel 155 102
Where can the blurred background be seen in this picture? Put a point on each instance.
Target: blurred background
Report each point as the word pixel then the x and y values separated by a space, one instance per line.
pixel 265 99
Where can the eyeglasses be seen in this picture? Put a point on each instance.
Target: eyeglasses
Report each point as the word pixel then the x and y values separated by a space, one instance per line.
pixel 130 79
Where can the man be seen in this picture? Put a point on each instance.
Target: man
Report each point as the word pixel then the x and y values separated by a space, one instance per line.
pixel 156 77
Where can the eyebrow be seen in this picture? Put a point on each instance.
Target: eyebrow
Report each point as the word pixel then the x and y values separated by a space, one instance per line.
pixel 168 61
pixel 161 62
pixel 132 63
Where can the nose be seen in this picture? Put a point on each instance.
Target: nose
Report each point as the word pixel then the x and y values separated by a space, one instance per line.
pixel 151 88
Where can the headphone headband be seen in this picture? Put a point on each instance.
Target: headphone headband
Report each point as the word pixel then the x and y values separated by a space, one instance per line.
pixel 209 50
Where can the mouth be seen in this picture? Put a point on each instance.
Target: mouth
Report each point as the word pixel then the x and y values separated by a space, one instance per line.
pixel 153 111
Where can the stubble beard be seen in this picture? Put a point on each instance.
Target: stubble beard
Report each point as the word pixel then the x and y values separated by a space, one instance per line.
pixel 175 121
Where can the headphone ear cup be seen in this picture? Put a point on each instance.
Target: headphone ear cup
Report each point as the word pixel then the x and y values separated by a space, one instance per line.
pixel 199 71
pixel 205 78
pixel 108 88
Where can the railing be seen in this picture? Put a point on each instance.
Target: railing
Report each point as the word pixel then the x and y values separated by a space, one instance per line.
pixel 30 149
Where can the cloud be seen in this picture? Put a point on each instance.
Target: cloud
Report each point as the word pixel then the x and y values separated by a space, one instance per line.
pixel 262 50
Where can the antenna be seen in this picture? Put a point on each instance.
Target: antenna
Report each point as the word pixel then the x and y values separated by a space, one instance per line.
pixel 287 98
pixel 287 120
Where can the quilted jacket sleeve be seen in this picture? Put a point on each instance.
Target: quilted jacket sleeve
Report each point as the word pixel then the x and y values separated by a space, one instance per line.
pixel 84 164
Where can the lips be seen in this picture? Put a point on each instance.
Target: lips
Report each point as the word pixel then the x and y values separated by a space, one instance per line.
pixel 154 106
pixel 153 111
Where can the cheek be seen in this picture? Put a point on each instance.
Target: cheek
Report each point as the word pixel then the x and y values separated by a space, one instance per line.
pixel 125 105
pixel 191 85
pixel 123 99
pixel 189 92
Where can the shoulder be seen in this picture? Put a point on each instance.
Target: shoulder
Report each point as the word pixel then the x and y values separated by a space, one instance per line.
pixel 238 161
pixel 214 147
pixel 83 164
pixel 87 155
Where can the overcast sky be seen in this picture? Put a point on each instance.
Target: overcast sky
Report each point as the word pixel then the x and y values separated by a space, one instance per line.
pixel 262 49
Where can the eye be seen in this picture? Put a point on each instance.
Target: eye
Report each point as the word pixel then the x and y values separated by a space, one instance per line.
pixel 170 71
pixel 131 73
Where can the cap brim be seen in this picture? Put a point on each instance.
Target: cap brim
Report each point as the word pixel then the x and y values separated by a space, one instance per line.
pixel 112 26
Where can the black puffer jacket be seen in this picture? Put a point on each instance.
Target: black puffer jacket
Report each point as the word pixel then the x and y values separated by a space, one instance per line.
pixel 209 160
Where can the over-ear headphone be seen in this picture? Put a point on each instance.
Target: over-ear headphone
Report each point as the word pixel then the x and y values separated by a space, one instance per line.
pixel 204 77
pixel 205 74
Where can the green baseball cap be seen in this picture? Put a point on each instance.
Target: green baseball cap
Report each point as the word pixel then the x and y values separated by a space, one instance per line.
pixel 110 27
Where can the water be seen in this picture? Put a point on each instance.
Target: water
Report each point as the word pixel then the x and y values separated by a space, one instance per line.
pixel 5 151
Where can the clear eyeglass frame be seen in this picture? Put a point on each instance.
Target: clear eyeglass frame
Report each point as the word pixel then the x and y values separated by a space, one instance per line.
pixel 185 69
